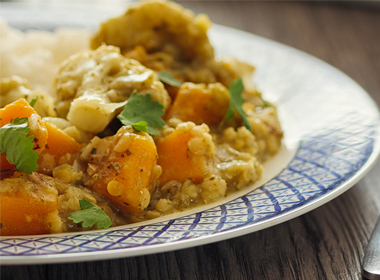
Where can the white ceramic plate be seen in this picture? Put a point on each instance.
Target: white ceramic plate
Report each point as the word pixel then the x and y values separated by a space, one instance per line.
pixel 331 140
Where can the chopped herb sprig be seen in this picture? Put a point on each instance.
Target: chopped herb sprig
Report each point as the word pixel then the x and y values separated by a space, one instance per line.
pixel 143 114
pixel 89 215
pixel 17 146
pixel 236 103
pixel 168 78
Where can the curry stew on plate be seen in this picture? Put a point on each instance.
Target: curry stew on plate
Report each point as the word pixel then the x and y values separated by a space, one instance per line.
pixel 136 121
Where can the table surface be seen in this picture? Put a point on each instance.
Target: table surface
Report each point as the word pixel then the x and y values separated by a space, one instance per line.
pixel 326 243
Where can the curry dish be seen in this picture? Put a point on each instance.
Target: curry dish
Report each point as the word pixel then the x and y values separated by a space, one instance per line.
pixel 139 121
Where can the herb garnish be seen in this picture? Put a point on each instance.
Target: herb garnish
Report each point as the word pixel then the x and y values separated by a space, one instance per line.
pixel 236 103
pixel 17 146
pixel 143 114
pixel 33 102
pixel 168 78
pixel 90 215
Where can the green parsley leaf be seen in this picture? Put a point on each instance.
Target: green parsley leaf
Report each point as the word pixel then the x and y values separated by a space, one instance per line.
pixel 140 110
pixel 141 126
pixel 17 146
pixel 33 102
pixel 90 215
pixel 236 103
pixel 168 78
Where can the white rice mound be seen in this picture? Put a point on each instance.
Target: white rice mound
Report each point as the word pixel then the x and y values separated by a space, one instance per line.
pixel 35 54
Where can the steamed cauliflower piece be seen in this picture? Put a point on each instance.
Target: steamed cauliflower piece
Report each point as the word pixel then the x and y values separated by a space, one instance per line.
pixel 164 36
pixel 158 26
pixel 93 86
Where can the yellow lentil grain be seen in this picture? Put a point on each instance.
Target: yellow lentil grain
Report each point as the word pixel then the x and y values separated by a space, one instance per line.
pixel 114 188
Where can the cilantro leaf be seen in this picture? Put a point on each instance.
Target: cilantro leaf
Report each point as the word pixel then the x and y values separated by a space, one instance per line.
pixel 140 126
pixel 168 78
pixel 33 102
pixel 236 103
pixel 140 110
pixel 90 215
pixel 17 146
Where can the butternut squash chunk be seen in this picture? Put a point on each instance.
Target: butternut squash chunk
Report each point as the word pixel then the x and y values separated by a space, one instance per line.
pixel 59 143
pixel 122 168
pixel 200 104
pixel 185 154
pixel 60 149
pixel 18 109
pixel 28 206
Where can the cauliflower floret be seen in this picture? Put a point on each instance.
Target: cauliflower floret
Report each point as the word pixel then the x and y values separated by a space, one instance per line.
pixel 164 36
pixel 93 86
pixel 158 26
